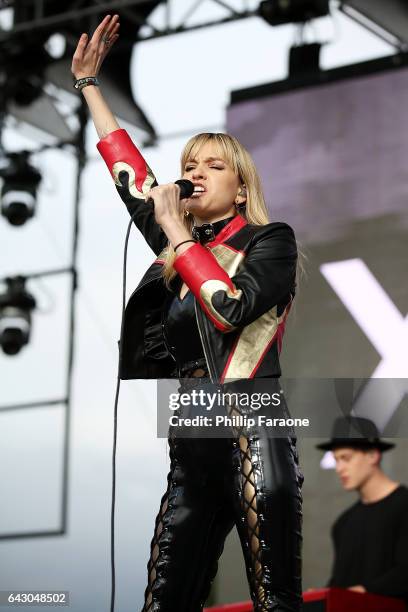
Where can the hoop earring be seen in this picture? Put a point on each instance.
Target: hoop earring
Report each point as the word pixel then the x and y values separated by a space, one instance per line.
pixel 186 212
pixel 243 194
pixel 240 206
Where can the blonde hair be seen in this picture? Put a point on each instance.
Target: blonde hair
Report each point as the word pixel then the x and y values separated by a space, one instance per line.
pixel 238 158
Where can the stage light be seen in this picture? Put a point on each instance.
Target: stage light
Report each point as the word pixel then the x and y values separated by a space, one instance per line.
pixel 34 60
pixel 16 305
pixel 24 63
pixel 19 189
pixel 304 59
pixel 56 45
pixel 278 12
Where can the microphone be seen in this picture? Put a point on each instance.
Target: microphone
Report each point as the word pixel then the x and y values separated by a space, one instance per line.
pixel 186 190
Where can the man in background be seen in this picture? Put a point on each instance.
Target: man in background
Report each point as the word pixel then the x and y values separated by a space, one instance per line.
pixel 371 537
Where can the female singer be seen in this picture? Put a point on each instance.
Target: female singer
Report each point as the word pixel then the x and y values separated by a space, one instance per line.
pixel 213 304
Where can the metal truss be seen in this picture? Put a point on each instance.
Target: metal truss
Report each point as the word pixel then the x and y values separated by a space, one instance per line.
pixel 47 15
pixel 231 14
pixel 373 27
pixel 66 399
pixel 81 9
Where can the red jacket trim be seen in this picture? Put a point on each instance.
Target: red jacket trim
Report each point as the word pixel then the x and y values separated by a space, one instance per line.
pixel 118 149
pixel 229 230
pixel 232 351
pixel 277 337
pixel 202 273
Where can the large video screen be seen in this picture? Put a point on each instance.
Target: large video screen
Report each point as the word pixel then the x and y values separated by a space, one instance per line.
pixel 332 152
pixel 333 156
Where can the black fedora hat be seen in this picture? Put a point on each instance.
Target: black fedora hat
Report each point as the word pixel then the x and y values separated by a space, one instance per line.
pixel 355 432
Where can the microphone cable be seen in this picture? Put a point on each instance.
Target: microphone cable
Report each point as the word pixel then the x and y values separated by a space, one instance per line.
pixel 186 190
pixel 115 418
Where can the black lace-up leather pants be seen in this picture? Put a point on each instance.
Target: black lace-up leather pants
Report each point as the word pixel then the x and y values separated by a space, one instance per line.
pixel 251 481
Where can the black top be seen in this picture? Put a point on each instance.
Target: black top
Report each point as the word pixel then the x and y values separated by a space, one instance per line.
pixel 180 328
pixel 371 546
pixel 179 324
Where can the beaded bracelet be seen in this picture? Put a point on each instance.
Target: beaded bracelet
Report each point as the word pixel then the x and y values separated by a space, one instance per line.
pixel 184 241
pixel 81 83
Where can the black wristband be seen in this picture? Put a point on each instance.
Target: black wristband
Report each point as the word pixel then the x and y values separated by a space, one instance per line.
pixel 81 83
pixel 184 241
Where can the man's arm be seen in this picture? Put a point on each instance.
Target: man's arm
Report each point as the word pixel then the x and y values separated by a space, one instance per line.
pixel 394 582
pixel 331 582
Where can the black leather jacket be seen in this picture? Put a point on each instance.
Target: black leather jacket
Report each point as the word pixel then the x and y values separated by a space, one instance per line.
pixel 243 282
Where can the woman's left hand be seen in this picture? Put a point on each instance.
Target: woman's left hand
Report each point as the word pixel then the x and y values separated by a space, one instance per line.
pixel 167 204
pixel 90 53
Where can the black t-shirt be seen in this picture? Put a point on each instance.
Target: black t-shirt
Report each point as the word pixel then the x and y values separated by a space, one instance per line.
pixel 371 546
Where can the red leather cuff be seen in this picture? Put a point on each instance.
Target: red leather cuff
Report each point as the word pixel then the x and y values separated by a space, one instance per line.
pixel 118 148
pixel 196 266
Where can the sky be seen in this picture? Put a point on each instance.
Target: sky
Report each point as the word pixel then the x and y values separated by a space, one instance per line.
pixel 183 83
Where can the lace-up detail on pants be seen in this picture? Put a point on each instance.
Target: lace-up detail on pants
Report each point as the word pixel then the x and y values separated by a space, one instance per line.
pixel 269 523
pixel 155 552
pixel 250 481
pixel 251 519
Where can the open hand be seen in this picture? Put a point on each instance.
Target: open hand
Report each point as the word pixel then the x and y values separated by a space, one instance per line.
pixel 89 54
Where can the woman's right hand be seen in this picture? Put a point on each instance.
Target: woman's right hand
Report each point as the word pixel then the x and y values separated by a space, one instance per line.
pixel 90 54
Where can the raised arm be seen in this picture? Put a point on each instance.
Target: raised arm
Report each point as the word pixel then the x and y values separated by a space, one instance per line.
pixel 132 175
pixel 87 61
